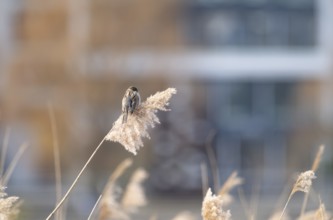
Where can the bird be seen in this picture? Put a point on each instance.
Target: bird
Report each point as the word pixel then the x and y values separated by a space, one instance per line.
pixel 130 102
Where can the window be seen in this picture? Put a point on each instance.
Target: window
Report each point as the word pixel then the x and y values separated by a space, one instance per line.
pixel 218 23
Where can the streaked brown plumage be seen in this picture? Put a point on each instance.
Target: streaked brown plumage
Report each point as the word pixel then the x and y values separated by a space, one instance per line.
pixel 130 102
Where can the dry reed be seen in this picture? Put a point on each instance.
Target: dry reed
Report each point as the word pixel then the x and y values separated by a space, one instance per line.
pixel 319 214
pixel 314 167
pixel 13 163
pixel 94 208
pixel 109 207
pixel 244 203
pixel 212 208
pixel 8 205
pixel 56 155
pixel 134 196
pixel 4 150
pixel 61 202
pixel 304 181
pixel 184 215
pixel 204 178
pixel 317 159
pixel 212 159
pixel 130 134
pixel 303 184
pixel 276 216
pixel 232 181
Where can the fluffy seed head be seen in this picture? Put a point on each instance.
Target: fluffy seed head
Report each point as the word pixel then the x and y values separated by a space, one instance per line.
pixel 134 196
pixel 212 208
pixel 8 205
pixel 109 206
pixel 304 181
pixel 130 134
pixel 184 215
pixel 319 214
pixel 233 181
pixel 277 216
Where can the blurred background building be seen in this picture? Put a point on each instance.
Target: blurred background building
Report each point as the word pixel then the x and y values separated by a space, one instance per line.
pixel 256 73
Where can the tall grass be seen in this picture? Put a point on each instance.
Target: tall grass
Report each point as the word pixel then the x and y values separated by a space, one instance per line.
pixel 112 204
pixel 128 134
pixel 9 205
pixel 56 154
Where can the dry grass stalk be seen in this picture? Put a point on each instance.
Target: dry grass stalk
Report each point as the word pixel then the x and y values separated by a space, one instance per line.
pixel 244 204
pixel 317 159
pixel 322 214
pixel 13 163
pixel 4 151
pixel 281 200
pixel 204 178
pixel 61 202
pixel 130 134
pixel 56 155
pixel 250 208
pixel 134 196
pixel 109 206
pixel 315 167
pixel 212 208
pixel 8 205
pixel 276 216
pixel 232 181
pixel 319 214
pixel 303 184
pixel 120 169
pixel 185 215
pixel 212 159
pixel 94 208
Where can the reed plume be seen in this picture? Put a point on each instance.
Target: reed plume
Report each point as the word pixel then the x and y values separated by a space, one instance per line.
pixel 276 216
pixel 109 206
pixel 315 166
pixel 9 206
pixel 319 214
pixel 232 181
pixel 130 134
pixel 302 184
pixel 212 208
pixel 134 196
pixel 184 215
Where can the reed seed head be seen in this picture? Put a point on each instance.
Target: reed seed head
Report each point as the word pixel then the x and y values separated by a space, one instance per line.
pixel 134 196
pixel 212 208
pixel 8 205
pixel 130 133
pixel 304 181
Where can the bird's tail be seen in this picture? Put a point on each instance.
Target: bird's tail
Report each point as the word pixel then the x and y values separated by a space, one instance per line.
pixel 124 118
